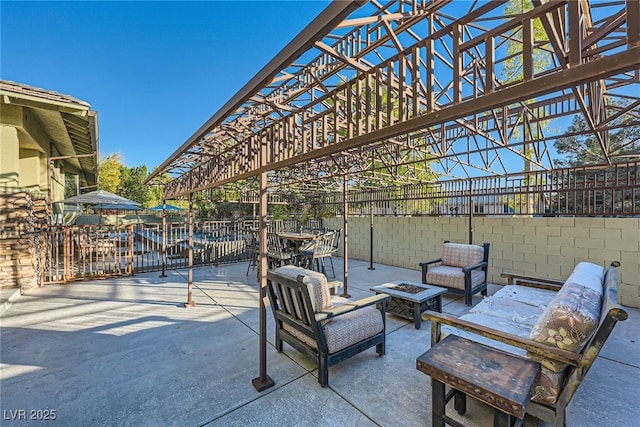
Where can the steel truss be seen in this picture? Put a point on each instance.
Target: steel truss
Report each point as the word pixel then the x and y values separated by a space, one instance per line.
pixel 380 91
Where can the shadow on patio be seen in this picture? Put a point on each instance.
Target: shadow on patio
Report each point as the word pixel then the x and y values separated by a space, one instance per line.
pixel 121 352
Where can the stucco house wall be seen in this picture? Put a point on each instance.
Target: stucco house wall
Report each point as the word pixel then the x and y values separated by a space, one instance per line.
pixel 45 135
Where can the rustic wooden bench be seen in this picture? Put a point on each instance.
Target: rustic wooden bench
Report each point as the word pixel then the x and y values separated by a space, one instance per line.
pixel 577 363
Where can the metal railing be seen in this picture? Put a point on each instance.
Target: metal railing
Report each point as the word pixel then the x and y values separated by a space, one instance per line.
pixel 604 190
pixel 77 252
pixel 91 251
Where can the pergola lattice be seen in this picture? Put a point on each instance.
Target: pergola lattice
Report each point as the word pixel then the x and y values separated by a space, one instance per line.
pixel 398 87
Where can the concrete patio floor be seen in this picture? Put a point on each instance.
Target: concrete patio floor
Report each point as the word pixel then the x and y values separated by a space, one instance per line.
pixel 123 351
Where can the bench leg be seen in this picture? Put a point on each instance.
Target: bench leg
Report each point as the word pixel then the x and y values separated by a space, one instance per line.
pixel 501 419
pixel 438 304
pixel 460 402
pixel 437 404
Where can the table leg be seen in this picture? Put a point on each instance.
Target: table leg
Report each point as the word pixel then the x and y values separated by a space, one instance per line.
pixel 437 403
pixel 417 319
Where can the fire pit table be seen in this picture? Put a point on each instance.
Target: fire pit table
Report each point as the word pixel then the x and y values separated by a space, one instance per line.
pixel 410 299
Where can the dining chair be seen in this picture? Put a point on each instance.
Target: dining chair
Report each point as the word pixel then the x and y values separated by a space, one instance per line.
pixel 277 253
pixel 315 256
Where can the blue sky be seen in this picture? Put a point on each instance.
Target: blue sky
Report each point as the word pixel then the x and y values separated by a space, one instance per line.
pixel 154 71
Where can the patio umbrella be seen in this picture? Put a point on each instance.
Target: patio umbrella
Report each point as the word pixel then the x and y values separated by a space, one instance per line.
pixel 99 197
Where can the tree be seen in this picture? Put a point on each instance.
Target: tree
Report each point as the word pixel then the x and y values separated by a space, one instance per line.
pixel 513 71
pixel 71 185
pixel 132 186
pixel 512 68
pixel 109 170
pixel 584 149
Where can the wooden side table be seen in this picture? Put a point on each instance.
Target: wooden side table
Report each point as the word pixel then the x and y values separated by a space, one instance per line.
pixel 501 380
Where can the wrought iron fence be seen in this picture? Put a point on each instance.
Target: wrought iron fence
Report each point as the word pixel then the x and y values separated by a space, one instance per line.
pixel 76 252
pixel 604 190
pixel 90 251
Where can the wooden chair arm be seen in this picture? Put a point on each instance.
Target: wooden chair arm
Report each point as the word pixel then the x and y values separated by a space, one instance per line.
pixel 533 282
pixel 352 306
pixel 475 266
pixel 541 350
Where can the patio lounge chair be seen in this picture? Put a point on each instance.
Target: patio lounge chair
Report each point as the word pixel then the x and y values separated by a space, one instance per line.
pixel 308 321
pixel 461 269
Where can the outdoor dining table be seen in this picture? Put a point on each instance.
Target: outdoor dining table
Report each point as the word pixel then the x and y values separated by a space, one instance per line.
pixel 297 239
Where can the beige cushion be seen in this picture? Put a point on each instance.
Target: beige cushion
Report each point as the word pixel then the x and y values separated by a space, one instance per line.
pixel 461 255
pixel 344 330
pixel 319 292
pixel 505 308
pixel 588 275
pixel 302 337
pixel 536 297
pixel 452 277
pixel 350 328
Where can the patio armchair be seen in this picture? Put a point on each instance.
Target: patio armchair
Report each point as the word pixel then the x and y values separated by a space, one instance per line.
pixel 307 319
pixel 335 246
pixel 462 268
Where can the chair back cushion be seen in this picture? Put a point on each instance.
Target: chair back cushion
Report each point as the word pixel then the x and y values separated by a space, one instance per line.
pixel 320 297
pixel 461 254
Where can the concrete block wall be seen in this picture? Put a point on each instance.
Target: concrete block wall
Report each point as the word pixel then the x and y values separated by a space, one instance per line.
pixel 544 247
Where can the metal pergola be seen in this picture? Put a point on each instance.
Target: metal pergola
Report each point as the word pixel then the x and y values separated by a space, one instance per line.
pixel 405 91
